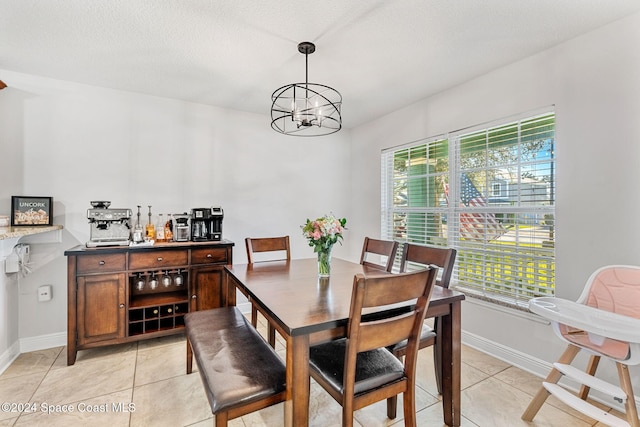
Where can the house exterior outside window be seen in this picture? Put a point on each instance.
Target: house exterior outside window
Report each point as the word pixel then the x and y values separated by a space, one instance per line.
pixel 487 191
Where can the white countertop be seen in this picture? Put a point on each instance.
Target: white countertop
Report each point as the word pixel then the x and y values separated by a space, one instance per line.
pixel 16 232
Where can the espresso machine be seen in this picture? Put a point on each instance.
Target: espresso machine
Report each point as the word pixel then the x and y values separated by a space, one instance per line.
pixel 206 224
pixel 109 227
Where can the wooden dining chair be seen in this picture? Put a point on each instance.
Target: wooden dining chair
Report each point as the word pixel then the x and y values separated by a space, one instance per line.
pixel 416 257
pixel 266 244
pixel 359 370
pixel 382 248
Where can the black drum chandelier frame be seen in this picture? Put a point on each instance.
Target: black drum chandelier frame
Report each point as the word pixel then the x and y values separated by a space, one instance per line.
pixel 306 109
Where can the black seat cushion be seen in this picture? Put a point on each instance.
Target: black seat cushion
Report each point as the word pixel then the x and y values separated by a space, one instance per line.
pixel 426 334
pixel 373 368
pixel 236 364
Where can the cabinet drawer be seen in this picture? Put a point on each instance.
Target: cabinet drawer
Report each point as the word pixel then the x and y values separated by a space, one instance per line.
pixel 100 263
pixel 209 256
pixel 158 259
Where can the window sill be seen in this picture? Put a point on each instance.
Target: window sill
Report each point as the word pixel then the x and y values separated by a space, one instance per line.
pixel 502 305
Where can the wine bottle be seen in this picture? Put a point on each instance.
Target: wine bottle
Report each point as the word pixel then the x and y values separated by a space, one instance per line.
pixel 168 229
pixel 150 229
pixel 160 237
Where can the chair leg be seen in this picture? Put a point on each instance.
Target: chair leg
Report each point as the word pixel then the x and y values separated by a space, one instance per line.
pixel 437 358
pixel 409 402
pixel 392 407
pixel 221 419
pixel 271 331
pixel 591 370
pixel 630 405
pixel 189 357
pixel 254 316
pixel 347 414
pixel 271 335
pixel 392 402
pixel 553 377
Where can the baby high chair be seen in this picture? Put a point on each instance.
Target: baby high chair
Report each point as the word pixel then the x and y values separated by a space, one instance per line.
pixel 605 322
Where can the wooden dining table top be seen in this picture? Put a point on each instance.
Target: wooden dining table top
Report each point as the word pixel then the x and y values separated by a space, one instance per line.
pixel 301 302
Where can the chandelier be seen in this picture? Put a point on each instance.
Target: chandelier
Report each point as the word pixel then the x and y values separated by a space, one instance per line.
pixel 306 109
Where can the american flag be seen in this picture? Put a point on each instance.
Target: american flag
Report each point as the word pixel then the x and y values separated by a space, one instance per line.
pixel 475 226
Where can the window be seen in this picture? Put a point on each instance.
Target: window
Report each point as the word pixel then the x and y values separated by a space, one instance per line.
pixel 489 192
pixel 496 189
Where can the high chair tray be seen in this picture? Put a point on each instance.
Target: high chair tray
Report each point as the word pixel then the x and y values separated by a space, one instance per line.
pixel 589 319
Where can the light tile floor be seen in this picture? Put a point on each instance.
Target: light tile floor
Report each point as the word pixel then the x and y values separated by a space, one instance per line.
pixel 144 384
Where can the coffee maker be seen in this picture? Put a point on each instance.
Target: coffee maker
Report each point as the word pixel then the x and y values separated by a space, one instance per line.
pixel 215 229
pixel 206 224
pixel 181 227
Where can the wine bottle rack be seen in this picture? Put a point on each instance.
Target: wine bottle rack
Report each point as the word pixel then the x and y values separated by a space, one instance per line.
pixel 144 320
pixel 158 306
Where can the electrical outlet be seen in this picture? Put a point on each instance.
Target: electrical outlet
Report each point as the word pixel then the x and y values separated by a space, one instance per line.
pixel 45 293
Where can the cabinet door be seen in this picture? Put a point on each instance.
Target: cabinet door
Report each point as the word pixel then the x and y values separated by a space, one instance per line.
pixel 101 308
pixel 206 287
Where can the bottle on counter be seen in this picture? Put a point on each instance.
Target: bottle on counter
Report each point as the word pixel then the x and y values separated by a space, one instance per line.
pixel 160 237
pixel 138 234
pixel 150 230
pixel 168 229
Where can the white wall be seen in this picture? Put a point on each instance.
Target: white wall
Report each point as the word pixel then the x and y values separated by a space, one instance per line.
pixel 594 82
pixel 83 143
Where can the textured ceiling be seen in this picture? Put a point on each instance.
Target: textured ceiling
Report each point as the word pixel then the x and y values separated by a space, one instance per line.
pixel 381 55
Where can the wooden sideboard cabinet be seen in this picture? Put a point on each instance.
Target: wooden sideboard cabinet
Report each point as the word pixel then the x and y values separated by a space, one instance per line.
pixel 122 294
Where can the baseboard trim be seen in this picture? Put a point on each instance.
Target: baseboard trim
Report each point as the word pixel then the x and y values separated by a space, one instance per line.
pixel 513 357
pixel 10 354
pixel 42 342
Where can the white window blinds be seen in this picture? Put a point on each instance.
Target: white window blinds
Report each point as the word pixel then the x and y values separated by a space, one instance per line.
pixel 489 193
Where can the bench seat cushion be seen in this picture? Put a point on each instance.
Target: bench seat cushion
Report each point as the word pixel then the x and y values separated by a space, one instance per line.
pixel 236 364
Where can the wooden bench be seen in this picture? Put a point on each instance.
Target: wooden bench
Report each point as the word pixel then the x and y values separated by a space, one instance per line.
pixel 240 372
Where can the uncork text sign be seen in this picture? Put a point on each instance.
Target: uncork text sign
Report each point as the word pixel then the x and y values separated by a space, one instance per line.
pixel 31 211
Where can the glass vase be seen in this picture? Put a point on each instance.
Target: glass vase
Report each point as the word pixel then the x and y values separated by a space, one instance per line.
pixel 324 262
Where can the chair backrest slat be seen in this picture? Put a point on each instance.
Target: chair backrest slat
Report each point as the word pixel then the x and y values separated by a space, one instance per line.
pixel 384 334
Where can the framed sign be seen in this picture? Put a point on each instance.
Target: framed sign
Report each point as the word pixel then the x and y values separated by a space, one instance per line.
pixel 31 211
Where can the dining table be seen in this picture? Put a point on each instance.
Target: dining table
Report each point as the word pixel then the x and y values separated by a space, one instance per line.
pixel 306 310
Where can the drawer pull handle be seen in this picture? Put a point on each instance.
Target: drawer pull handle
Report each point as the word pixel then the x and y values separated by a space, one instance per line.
pixel 209 256
pixel 101 263
pixel 121 305
pixel 159 258
pixel 193 297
